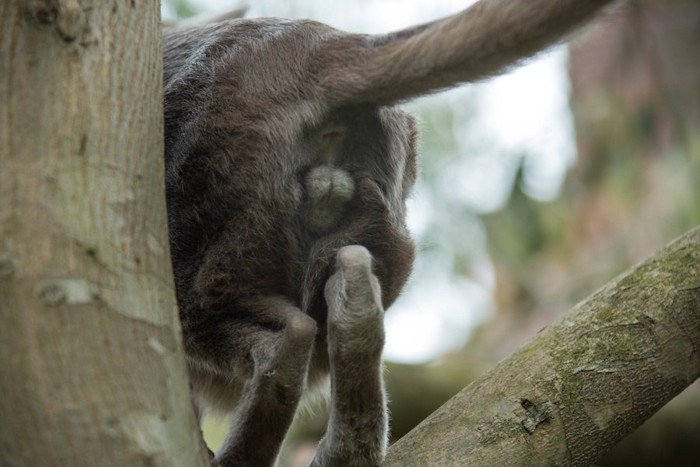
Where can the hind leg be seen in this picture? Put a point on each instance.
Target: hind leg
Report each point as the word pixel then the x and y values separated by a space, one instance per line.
pixel 277 349
pixel 358 423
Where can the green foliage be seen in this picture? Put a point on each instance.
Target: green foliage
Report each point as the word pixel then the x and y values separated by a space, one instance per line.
pixel 181 8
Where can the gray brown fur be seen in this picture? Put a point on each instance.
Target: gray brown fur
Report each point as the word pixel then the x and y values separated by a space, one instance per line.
pixel 287 173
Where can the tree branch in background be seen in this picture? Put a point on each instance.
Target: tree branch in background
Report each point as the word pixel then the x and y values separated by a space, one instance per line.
pixel 584 382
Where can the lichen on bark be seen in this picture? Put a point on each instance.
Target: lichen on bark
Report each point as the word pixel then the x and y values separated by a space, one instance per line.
pixel 582 383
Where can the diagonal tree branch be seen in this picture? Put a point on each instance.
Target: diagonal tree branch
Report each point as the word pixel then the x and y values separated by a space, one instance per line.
pixel 584 382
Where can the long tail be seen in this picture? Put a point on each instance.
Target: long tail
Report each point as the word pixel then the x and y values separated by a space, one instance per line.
pixel 473 44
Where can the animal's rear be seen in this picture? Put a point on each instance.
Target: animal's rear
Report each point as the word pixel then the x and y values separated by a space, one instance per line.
pixel 287 174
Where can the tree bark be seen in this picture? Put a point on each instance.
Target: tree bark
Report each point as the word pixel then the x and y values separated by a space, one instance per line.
pixel 584 382
pixel 93 371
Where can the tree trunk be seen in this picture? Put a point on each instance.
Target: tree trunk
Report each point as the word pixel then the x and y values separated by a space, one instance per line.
pixel 91 359
pixel 584 382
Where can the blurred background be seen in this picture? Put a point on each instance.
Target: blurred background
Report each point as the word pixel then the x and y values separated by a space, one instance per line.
pixel 535 189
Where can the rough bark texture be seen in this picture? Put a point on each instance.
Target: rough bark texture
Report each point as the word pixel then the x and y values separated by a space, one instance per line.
pixel 582 383
pixel 90 355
